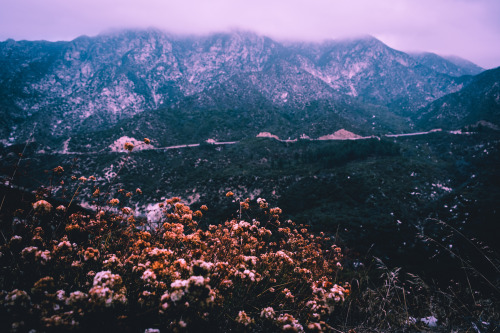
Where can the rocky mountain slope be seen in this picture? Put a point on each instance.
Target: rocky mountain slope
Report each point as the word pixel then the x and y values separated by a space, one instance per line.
pixel 478 103
pixel 93 83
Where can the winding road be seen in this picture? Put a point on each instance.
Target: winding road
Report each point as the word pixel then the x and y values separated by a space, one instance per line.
pixel 273 137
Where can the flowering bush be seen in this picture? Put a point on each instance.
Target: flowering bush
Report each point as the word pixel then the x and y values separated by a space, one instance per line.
pixel 106 271
pixel 42 206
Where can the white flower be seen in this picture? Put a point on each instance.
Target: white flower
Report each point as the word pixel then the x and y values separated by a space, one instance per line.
pixel 267 313
pixel 151 330
pixel 148 276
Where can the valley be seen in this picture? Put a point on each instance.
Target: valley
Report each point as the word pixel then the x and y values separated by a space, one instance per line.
pixel 366 190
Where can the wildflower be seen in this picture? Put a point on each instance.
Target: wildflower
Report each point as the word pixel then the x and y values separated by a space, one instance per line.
pixel 151 330
pixel 112 261
pixel 16 239
pixel 268 313
pixel 229 194
pixel 201 267
pixel 107 279
pixel 44 256
pixel 29 252
pixel 76 297
pixel 250 259
pixel 226 284
pixel 126 210
pixel 64 245
pixel 90 254
pixel 148 276
pixel 288 294
pixel 164 302
pixel 61 208
pixel 314 327
pixel 282 255
pixel 251 275
pixel 289 323
pixel 96 193
pixel 173 268
pixel 244 319
pixel 76 264
pixel 82 179
pixel 138 191
pixel 195 289
pixel 61 295
pixel 275 211
pixel 197 280
pixel 147 141
pixel 17 298
pixel 114 202
pixel 159 253
pixel 58 169
pixel 42 206
pixel 181 263
pixel 106 296
pixel 128 146
pixel 43 285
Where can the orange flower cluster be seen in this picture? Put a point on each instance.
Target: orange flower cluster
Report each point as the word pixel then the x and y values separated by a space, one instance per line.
pixel 128 146
pixel 59 169
pixel 42 206
pixel 106 272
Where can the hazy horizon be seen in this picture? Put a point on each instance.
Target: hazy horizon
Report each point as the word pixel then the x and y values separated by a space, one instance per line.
pixel 467 29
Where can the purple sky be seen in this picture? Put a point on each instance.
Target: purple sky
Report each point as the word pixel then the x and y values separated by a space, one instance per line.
pixel 467 28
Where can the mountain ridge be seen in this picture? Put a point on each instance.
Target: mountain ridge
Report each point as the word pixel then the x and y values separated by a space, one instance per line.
pixel 450 65
pixel 92 83
pixel 476 103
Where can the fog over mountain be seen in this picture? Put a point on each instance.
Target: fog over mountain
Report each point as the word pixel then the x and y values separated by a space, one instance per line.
pixel 468 29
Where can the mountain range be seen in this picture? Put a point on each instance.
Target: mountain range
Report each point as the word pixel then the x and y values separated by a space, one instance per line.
pixel 229 86
pixel 213 107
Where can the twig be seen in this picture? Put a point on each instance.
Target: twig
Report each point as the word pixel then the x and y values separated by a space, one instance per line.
pixel 17 164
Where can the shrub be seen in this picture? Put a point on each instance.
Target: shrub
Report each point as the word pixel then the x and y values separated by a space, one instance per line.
pixel 107 271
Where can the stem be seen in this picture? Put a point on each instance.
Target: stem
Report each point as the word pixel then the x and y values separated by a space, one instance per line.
pixel 17 164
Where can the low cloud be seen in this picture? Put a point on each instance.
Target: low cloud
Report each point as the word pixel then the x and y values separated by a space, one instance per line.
pixel 470 29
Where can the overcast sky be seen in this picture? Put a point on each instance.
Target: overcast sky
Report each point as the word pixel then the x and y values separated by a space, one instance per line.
pixel 467 28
